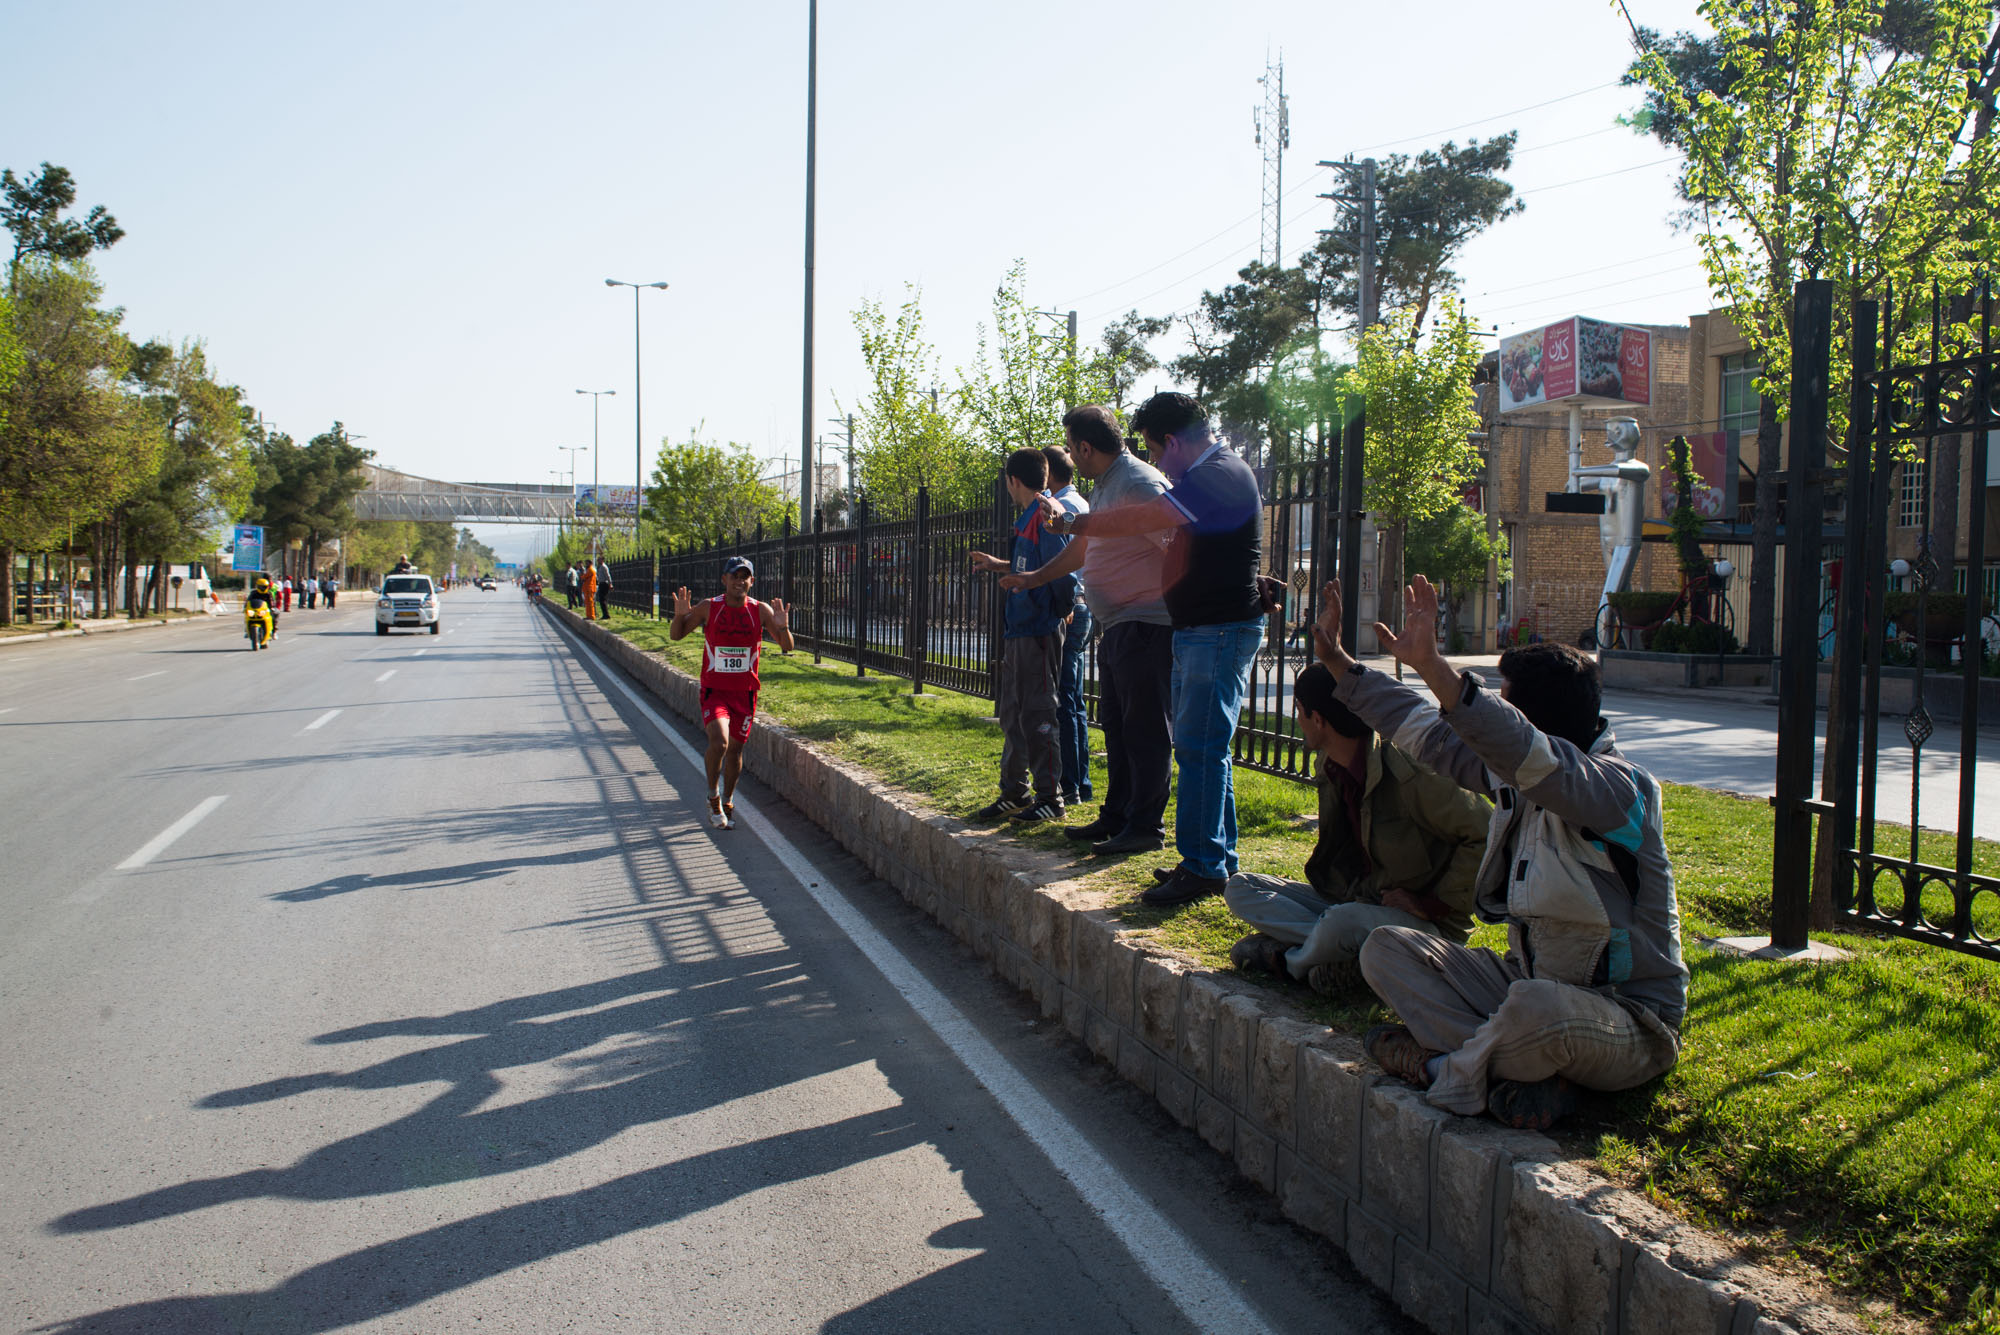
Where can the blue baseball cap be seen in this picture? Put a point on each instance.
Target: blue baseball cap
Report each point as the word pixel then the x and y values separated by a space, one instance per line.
pixel 736 563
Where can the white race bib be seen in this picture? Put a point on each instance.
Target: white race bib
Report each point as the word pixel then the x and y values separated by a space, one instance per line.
pixel 729 658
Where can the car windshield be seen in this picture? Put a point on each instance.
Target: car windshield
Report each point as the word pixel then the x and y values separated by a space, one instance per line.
pixel 406 584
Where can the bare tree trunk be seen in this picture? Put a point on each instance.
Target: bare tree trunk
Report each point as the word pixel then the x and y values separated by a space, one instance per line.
pixel 6 586
pixel 1764 534
pixel 131 579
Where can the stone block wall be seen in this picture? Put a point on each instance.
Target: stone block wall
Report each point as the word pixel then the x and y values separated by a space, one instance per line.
pixel 1473 1229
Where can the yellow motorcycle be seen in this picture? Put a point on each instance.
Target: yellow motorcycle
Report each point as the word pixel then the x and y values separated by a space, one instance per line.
pixel 257 627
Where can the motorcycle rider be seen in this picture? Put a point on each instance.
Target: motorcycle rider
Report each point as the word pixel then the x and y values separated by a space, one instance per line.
pixel 261 595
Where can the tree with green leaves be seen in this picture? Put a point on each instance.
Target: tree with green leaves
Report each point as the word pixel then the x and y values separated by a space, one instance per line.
pixel 908 434
pixel 305 493
pixel 72 445
pixel 1127 356
pixel 206 468
pixel 1417 393
pixel 32 210
pixel 1453 549
pixel 1236 336
pixel 1852 140
pixel 702 493
pixel 1025 376
pixel 1428 206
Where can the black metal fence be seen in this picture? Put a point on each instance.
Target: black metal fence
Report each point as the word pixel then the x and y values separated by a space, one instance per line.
pixel 901 597
pixel 1901 411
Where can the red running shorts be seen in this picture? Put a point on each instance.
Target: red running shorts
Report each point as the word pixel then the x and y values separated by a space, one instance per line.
pixel 735 708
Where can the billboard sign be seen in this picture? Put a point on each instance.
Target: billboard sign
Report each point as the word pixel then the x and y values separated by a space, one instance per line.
pixel 606 500
pixel 1578 360
pixel 249 552
pixel 1712 457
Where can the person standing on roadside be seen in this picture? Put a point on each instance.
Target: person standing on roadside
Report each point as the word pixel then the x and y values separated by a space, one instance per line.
pixel 1121 577
pixel 571 586
pixel 1214 514
pixel 309 589
pixel 331 590
pixel 603 590
pixel 1072 714
pixel 1031 653
pixel 590 591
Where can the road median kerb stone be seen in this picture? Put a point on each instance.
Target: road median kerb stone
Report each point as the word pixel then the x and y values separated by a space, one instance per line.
pixel 1468 1227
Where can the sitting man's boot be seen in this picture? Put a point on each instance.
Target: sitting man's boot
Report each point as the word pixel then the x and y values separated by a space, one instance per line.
pixel 1336 978
pixel 1258 951
pixel 1531 1105
pixel 1396 1050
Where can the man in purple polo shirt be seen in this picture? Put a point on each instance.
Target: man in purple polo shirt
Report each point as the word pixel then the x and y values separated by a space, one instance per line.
pixel 1215 516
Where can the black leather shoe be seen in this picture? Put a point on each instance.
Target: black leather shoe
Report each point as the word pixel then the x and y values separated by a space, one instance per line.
pixel 1091 833
pixel 1165 873
pixel 1132 841
pixel 1183 887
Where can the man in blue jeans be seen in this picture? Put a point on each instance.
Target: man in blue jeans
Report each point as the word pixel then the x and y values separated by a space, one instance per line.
pixel 1072 716
pixel 1215 516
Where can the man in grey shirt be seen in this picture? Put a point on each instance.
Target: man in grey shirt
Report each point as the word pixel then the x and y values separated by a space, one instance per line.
pixel 1135 654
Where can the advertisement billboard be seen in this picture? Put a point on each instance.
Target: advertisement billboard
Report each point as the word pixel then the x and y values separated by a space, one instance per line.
pixel 1577 360
pixel 1712 458
pixel 249 548
pixel 594 499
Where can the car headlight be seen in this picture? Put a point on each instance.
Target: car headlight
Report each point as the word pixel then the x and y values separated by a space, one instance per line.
pixel 381 602
pixel 430 600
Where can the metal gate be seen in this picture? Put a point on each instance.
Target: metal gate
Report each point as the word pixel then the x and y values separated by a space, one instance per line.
pixel 1900 408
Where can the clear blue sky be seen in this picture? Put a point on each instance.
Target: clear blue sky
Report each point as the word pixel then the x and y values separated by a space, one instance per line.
pixel 401 215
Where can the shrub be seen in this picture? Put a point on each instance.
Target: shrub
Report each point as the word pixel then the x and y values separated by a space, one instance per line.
pixel 1643 609
pixel 1699 637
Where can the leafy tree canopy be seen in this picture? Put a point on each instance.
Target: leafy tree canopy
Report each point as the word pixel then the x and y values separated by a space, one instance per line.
pixel 701 493
pixel 907 433
pixel 207 469
pixel 32 210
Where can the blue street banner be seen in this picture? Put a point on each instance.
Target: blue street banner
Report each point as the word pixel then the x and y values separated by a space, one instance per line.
pixel 249 553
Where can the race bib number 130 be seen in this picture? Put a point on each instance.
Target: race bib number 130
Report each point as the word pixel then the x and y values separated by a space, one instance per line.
pixel 724 658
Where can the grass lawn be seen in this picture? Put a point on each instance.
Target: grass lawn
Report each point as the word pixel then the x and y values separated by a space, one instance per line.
pixel 1835 1118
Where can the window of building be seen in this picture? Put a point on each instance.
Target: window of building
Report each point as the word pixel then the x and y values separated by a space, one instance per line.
pixel 1913 507
pixel 1739 394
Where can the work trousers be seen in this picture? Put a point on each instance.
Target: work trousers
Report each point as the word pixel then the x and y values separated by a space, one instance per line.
pixel 1492 1022
pixel 1135 664
pixel 1318 930
pixel 1031 749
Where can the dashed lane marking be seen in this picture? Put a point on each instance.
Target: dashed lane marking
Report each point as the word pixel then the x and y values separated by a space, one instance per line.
pixel 164 840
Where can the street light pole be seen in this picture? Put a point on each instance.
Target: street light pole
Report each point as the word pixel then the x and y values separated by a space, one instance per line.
pixel 596 454
pixel 806 479
pixel 638 395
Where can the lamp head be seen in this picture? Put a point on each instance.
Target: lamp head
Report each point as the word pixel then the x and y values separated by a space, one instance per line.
pixel 661 286
pixel 611 282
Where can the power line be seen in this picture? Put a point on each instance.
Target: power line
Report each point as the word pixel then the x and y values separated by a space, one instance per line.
pixel 1585 180
pixel 1502 115
pixel 1579 273
pixel 1586 291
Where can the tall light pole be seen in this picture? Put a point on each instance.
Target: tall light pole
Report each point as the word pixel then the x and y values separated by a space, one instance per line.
pixel 638 429
pixel 595 453
pixel 812 127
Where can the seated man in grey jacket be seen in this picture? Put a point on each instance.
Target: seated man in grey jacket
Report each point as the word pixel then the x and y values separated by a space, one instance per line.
pixel 1398 847
pixel 1592 990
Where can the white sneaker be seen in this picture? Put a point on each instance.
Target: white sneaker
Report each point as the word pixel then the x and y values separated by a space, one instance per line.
pixel 717 817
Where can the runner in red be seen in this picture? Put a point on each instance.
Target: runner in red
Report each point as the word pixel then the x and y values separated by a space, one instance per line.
pixel 733 628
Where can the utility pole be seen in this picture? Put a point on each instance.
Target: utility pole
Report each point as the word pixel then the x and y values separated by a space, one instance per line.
pixel 1274 135
pixel 1367 300
pixel 848 421
pixel 812 129
pixel 1069 324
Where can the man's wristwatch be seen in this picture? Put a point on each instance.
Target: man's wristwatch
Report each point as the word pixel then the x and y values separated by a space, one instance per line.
pixel 1063 523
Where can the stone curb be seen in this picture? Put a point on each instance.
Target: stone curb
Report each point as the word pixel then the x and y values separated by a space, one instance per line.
pixel 106 628
pixel 1471 1228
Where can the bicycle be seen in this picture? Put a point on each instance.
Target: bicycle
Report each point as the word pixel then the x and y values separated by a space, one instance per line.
pixel 1695 605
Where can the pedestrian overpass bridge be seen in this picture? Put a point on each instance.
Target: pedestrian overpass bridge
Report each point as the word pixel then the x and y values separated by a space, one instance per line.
pixel 391 495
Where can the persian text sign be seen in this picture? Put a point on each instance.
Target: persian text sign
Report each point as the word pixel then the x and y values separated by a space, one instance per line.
pixel 616 500
pixel 1578 360
pixel 249 554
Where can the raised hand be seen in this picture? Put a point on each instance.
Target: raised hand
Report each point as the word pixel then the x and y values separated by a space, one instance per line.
pixel 781 615
pixel 1417 645
pixel 1326 629
pixel 683 603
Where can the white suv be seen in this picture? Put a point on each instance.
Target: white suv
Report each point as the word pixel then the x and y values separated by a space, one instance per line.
pixel 406 600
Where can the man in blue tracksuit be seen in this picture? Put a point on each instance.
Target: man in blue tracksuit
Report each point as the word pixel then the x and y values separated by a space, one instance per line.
pixel 1031 654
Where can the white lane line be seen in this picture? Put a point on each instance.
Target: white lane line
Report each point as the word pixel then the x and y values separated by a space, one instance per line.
pixel 321 721
pixel 1162 1250
pixel 165 838
pixel 143 675
pixel 9 709
pixel 385 676
pixel 420 653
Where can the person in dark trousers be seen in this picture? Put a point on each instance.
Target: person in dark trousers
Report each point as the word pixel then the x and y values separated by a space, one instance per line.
pixel 603 590
pixel 572 584
pixel 1135 651
pixel 1214 516
pixel 1031 654
pixel 1592 990
pixel 1072 714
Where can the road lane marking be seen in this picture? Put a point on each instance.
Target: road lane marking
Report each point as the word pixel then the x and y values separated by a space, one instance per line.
pixel 9 709
pixel 321 721
pixel 165 838
pixel 420 653
pixel 1161 1249
pixel 143 675
pixel 385 676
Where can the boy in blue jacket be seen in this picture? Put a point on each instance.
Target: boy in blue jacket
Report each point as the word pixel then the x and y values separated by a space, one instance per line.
pixel 1031 654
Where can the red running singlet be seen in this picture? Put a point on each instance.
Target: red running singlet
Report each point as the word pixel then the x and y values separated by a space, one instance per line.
pixel 733 637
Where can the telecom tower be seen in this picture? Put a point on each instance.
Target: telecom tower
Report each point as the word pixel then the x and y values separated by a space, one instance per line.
pixel 1274 136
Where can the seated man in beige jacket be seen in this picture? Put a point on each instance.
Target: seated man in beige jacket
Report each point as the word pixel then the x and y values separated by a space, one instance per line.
pixel 1398 847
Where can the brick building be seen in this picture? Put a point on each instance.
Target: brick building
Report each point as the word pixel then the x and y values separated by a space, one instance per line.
pixel 1558 564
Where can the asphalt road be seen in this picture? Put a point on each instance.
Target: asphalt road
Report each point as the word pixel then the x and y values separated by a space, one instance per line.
pixel 398 985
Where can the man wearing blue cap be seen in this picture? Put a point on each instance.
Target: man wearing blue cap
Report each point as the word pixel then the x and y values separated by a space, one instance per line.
pixel 733 628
